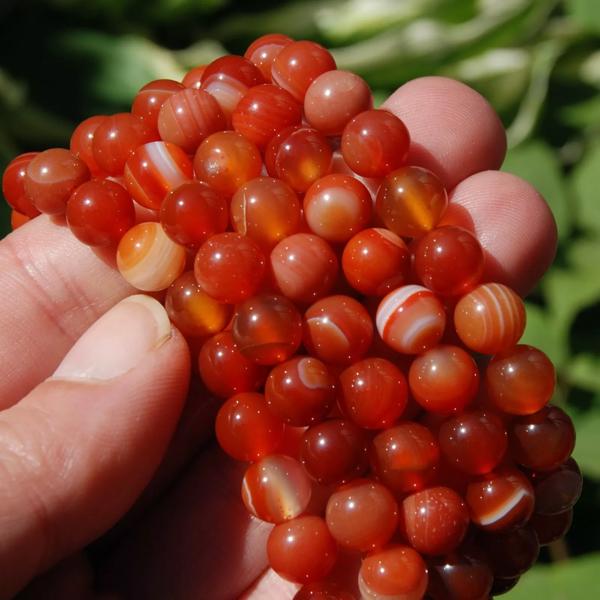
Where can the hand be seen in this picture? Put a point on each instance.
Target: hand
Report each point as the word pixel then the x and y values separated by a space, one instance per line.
pixel 87 417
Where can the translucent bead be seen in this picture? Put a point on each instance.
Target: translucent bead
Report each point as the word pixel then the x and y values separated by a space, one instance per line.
pixel 558 490
pixel 13 185
pixel 193 78
pixel 82 139
pixel 148 101
pixel 237 67
pixel 550 528
pixel 263 51
pixel 456 577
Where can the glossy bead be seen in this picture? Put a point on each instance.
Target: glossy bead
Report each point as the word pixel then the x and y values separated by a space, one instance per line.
pixel 362 515
pixel 323 590
pixel 193 311
pixel 334 451
pixel 148 259
pixel 267 328
pixel 558 490
pixel 474 442
pixel 490 318
pixel 266 210
pixel 149 100
pixel 299 156
pixel 373 393
pixel 51 177
pixel 263 51
pixel 444 379
pixel 116 139
pixel 226 160
pixel 82 140
pixel 411 201
pixel 411 319
pixel 300 391
pixel 404 457
pixel 298 65
pixel 99 212
pixel 227 91
pixel 542 441
pixel 338 330
pixel 18 220
pixel 449 261
pixel 193 78
pixel 264 111
pixel 302 550
pixel 374 143
pixel 276 488
pixel 376 261
pixel 304 266
pixel 192 213
pixel 189 116
pixel 225 371
pixel 393 573
pixel 238 67
pixel 13 185
pixel 520 380
pixel 337 206
pixel 246 429
pixel 334 98
pixel 550 528
pixel 500 500
pixel 155 169
pixel 456 577
pixel 435 520
pixel 503 585
pixel 229 267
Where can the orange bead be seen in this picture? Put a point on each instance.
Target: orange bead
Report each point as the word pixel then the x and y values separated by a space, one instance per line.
pixel 193 78
pixel 82 139
pixel 13 184
pixel 148 101
pixel 263 51
pixel 17 219
pixel 490 318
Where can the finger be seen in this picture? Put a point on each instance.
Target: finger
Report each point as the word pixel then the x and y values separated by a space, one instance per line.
pixel 52 288
pixel 454 130
pixel 78 450
pixel 513 223
pixel 269 586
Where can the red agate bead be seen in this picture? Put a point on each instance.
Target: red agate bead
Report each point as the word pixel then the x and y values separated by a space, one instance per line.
pixel 193 78
pixel 82 140
pixel 17 219
pixel 550 528
pixel 149 100
pixel 237 67
pixel 558 490
pixel 457 577
pixel 263 51
pixel 13 185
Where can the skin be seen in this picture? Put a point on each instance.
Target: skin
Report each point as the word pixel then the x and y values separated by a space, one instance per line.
pixel 187 535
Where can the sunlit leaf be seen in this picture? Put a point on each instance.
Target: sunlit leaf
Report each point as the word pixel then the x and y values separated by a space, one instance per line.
pixel 541 333
pixel 587 426
pixel 585 12
pixel 585 186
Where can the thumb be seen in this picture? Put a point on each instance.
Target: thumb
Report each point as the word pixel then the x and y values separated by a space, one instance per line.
pixel 77 451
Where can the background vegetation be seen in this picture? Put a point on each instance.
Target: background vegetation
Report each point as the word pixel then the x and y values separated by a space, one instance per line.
pixel 537 61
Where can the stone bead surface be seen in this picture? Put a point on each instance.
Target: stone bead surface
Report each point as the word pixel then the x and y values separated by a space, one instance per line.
pixel 193 78
pixel 550 528
pixel 237 67
pixel 81 143
pixel 456 577
pixel 558 490
pixel 263 51
pixel 149 100
pixel 227 91
pixel 411 319
pixel 18 220
pixel 13 185
pixel 148 259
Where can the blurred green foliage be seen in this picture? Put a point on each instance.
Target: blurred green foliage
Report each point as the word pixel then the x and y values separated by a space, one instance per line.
pixel 537 61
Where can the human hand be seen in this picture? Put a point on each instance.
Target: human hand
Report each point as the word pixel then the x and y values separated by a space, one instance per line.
pixel 85 424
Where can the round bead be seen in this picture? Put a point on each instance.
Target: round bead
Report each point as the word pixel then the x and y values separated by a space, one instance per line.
pixel 192 213
pixel 246 429
pixel 264 111
pixel 229 267
pixel 227 91
pixel 490 319
pixel 374 143
pixel 82 140
pixel 435 520
pixel 362 515
pixel 298 65
pixel 550 528
pixel 502 585
pixel 337 206
pixel 99 212
pixel 266 210
pixel 226 160
pixel 456 577
pixel 51 177
pixel 148 259
pixel 237 67
pixel 474 442
pixel 323 590
pixel 304 266
pixel 334 98
pixel 116 139
pixel 558 490
pixel 193 311
pixel 225 371
pixel 267 328
pixel 17 219
pixel 193 78
pixel 276 488
pixel 411 319
pixel 444 379
pixel 149 100
pixel 373 393
pixel 334 451
pixel 13 185
pixel 300 391
pixel 449 260
pixel 154 170
pixel 338 330
pixel 302 550
pixel 500 500
pixel 263 51
pixel 520 381
pixel 393 573
pixel 411 201
pixel 376 261
pixel 189 116
pixel 404 457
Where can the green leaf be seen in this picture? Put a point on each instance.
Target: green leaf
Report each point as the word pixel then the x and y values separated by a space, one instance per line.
pixel 583 371
pixel 587 425
pixel 541 333
pixel 586 13
pixel 584 253
pixel 586 189
pixel 536 162
pixel 582 115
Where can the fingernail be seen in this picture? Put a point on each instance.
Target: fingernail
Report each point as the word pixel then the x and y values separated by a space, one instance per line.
pixel 118 342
